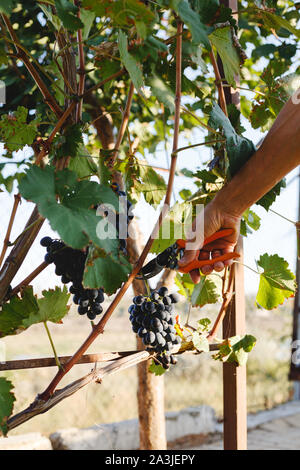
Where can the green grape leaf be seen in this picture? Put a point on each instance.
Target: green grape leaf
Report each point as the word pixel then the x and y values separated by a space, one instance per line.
pixel 122 12
pixel 140 178
pixel 72 217
pixel 7 399
pixel 3 57
pixel 185 284
pixel 173 226
pixel 200 342
pixel 205 176
pixel 236 349
pixel 51 17
pixel 204 293
pixel 261 116
pixel 208 10
pixel 6 6
pixel 221 38
pixel 107 68
pixel 267 200
pixel 277 282
pixel 156 369
pixel 251 220
pixel 20 313
pixel 239 148
pixel 163 92
pixel 185 194
pixel 69 144
pixel 51 307
pixel 276 22
pixel 192 20
pixel 67 13
pixel 129 62
pixel 87 18
pixel 204 324
pixel 106 272
pixel 83 164
pixel 15 132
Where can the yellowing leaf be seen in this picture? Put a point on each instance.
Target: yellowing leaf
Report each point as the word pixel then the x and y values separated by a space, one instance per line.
pixel 277 282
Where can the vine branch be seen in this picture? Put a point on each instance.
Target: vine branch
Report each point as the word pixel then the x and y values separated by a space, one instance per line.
pixel 123 126
pixel 118 361
pixel 29 278
pixel 10 225
pixel 222 99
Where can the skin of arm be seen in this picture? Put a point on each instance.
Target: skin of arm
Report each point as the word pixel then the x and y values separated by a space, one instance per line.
pixel 278 155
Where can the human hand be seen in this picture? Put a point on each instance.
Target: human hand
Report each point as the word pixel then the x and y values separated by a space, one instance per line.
pixel 215 219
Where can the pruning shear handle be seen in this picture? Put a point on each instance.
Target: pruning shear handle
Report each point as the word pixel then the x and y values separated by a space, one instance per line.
pixel 196 263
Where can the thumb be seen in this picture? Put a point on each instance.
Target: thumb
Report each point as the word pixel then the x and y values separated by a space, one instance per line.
pixel 189 255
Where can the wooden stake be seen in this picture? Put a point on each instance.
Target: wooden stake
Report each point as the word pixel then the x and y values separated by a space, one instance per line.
pixel 234 377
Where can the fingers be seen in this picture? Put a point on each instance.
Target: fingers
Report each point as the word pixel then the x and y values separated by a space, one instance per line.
pixel 189 255
pixel 208 269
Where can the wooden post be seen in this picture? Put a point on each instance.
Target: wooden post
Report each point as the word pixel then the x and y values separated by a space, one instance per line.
pixel 295 367
pixel 234 377
pixel 150 392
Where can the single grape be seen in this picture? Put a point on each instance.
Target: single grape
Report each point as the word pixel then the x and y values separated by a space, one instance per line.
pixel 163 291
pixel 91 315
pixel 82 310
pixel 155 295
pixel 46 241
pixel 48 258
pixel 150 307
pixel 83 303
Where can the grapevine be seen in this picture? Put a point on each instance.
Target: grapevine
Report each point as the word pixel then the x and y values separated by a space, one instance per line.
pixel 94 122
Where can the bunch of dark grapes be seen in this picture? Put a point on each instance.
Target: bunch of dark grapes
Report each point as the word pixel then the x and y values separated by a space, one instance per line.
pixel 169 257
pixel 69 264
pixel 153 319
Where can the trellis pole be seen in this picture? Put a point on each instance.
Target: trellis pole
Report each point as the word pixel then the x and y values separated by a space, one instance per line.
pixel 295 366
pixel 234 377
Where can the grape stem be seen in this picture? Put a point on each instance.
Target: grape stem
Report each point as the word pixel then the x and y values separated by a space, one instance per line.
pixel 6 243
pixel 29 278
pixel 52 346
pixel 227 297
pixel 147 287
pixel 219 83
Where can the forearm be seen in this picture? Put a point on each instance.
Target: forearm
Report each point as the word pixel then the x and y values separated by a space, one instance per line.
pixel 278 155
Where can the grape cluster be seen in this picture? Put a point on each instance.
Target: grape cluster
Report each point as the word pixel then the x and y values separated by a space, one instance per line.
pixel 169 257
pixel 153 319
pixel 69 264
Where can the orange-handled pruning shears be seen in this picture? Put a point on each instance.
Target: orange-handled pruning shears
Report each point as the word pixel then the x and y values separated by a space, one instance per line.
pixel 197 263
pixel 169 257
